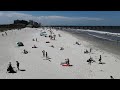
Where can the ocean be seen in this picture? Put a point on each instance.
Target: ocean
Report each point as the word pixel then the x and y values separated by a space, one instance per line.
pixel 108 41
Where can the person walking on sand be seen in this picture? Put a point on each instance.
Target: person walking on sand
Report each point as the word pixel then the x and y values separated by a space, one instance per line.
pixel 36 39
pixel 43 53
pixel 54 36
pixel 90 50
pixel 18 65
pixel 6 33
pixel 100 59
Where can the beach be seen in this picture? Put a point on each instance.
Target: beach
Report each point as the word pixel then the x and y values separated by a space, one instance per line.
pixel 38 67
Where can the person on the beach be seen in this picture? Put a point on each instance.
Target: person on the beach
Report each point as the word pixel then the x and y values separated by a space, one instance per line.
pixel 43 53
pixel 90 50
pixel 51 37
pixel 52 46
pixel 50 32
pixel 86 51
pixel 46 55
pixel 2 34
pixel 61 48
pixel 111 77
pixel 6 33
pixel 77 43
pixel 18 65
pixel 59 35
pixel 34 46
pixel 10 68
pixel 90 60
pixel 54 36
pixel 100 59
pixel 67 61
pixel 33 39
pixel 36 39
pixel 25 52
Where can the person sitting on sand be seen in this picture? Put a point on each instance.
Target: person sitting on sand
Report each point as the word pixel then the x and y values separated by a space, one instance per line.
pixel 10 68
pixel 47 42
pixel 25 52
pixel 90 60
pixel 86 51
pixel 111 77
pixel 51 37
pixel 52 46
pixel 77 43
pixel 34 46
pixel 61 48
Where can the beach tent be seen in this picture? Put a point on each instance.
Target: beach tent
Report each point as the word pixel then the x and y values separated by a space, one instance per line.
pixel 43 34
pixel 20 44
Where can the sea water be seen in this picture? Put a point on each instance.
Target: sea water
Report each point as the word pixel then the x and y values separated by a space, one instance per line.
pixel 108 41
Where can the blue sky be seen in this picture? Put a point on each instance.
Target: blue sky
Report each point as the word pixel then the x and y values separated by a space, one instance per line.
pixel 63 17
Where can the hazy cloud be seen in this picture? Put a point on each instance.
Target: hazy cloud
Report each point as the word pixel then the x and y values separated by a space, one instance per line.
pixel 8 17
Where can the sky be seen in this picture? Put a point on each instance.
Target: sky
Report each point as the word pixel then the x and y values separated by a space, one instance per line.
pixel 92 18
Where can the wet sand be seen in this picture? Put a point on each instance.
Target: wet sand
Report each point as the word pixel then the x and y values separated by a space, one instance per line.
pixel 106 45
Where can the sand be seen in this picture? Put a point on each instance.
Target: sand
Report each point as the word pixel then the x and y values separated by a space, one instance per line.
pixel 35 65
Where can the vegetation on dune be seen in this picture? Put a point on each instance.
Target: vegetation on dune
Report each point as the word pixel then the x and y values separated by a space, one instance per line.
pixel 18 24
